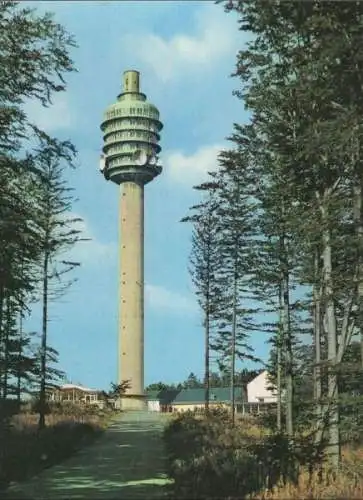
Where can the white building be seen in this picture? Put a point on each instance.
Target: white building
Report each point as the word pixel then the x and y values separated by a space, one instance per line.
pixel 153 404
pixel 259 390
pixel 77 394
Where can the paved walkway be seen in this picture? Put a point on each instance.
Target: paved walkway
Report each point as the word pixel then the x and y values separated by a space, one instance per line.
pixel 127 462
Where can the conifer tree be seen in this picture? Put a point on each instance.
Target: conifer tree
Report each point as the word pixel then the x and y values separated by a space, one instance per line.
pixel 236 221
pixel 34 58
pixel 204 269
pixel 306 110
pixel 57 234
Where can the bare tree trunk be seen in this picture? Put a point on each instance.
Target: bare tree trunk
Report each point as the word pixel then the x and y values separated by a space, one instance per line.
pixel 3 426
pixel 333 451
pixel 20 350
pixel 317 346
pixel 2 346
pixel 358 217
pixel 279 363
pixel 234 335
pixel 206 355
pixel 43 349
pixel 20 354
pixel 6 345
pixel 287 340
pixel 207 317
pixel 289 362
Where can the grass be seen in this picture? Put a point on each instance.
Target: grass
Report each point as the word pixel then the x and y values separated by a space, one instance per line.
pixel 27 451
pixel 210 459
pixel 340 488
pixel 127 462
pixel 28 421
pixel 347 483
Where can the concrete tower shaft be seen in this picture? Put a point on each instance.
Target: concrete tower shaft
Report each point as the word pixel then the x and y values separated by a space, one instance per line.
pixel 131 129
pixel 131 324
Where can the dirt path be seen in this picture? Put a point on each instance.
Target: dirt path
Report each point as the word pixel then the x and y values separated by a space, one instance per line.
pixel 127 462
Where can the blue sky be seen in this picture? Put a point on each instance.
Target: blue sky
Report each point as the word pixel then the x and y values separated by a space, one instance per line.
pixel 185 52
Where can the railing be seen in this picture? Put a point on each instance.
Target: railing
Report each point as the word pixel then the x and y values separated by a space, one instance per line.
pixel 241 409
pixel 255 408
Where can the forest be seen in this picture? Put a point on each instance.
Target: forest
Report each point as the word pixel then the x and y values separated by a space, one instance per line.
pixel 277 242
pixel 37 232
pixel 36 228
pixel 216 379
pixel 276 249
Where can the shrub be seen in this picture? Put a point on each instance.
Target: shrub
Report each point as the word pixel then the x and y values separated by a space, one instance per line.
pixel 311 487
pixel 29 451
pixel 208 458
pixel 26 451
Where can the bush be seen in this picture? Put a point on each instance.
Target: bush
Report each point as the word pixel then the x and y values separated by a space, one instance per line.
pixel 25 451
pixel 65 408
pixel 207 458
pixel 210 458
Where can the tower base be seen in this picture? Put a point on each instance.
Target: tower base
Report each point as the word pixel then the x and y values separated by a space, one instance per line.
pixel 129 403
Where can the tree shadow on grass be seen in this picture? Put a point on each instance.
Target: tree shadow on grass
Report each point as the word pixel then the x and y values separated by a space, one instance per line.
pixel 142 491
pixel 127 462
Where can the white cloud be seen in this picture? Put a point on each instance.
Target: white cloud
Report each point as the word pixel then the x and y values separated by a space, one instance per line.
pixel 191 169
pixel 93 251
pixel 160 298
pixel 216 36
pixel 57 116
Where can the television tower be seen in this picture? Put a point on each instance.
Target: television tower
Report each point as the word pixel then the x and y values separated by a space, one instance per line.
pixel 131 137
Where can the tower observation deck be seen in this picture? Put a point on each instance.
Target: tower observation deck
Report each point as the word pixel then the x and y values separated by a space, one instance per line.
pixel 131 134
pixel 131 137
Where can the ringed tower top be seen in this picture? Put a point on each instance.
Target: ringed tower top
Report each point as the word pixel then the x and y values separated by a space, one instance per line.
pixel 131 134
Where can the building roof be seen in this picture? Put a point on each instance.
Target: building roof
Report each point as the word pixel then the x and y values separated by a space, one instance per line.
pixel 217 394
pixel 152 395
pixel 263 373
pixel 195 396
pixel 165 397
pixel 76 387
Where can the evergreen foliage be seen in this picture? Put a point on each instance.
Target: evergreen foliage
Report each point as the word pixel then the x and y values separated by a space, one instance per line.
pixel 289 209
pixel 36 228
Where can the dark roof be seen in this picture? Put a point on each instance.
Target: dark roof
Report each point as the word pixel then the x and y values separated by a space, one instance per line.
pixel 166 396
pixel 150 395
pixel 190 396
